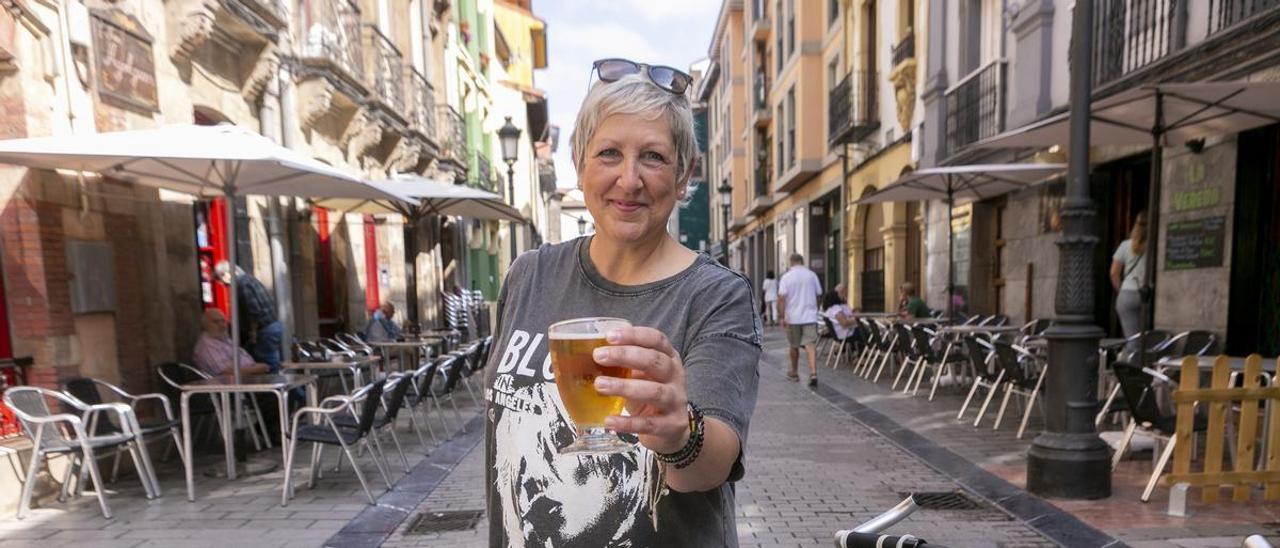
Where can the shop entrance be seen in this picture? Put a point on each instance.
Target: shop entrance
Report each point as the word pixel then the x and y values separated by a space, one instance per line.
pixel 1253 315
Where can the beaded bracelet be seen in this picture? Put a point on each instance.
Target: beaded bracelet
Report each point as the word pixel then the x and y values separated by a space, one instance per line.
pixel 685 456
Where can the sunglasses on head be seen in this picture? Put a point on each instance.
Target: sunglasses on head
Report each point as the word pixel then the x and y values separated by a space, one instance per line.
pixel 667 78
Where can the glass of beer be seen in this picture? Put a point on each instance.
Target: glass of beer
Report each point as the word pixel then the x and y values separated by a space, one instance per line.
pixel 572 343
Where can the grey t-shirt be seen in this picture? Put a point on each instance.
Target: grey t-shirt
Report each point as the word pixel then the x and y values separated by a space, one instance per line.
pixel 538 497
pixel 1135 266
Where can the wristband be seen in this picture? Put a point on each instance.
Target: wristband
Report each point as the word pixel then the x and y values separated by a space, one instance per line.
pixel 685 456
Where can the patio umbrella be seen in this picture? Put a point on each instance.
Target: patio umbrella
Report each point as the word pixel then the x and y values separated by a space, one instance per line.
pixel 429 197
pixel 958 185
pixel 208 161
pixel 1158 115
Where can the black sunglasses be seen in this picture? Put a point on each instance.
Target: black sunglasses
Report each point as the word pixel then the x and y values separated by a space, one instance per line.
pixel 667 78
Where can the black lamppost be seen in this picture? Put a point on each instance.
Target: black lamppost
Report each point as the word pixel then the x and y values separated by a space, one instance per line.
pixel 509 135
pixel 726 201
pixel 582 226
pixel 1068 460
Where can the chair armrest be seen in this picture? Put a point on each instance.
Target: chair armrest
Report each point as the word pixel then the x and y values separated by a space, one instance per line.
pixel 163 399
pixel 50 419
pixel 328 413
pixel 128 420
pixel 1160 376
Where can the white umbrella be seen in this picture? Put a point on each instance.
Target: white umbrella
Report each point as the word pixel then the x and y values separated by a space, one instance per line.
pixel 211 161
pixel 429 197
pixel 961 184
pixel 1159 115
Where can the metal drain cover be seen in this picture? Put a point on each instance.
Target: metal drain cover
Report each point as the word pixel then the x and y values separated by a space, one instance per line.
pixel 945 500
pixel 439 522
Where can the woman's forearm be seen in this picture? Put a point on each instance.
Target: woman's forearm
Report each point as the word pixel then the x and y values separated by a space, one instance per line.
pixel 720 448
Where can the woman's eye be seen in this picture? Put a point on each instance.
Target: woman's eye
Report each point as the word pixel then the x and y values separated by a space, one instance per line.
pixel 654 157
pixel 608 153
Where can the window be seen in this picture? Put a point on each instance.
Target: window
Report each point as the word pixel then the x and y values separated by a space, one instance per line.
pixel 791 126
pixel 777 25
pixel 791 28
pixel 833 74
pixel 833 11
pixel 782 159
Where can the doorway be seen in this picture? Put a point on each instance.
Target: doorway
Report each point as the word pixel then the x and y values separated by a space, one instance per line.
pixel 1119 189
pixel 1253 313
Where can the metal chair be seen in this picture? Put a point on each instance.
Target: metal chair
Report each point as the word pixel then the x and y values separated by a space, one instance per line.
pixel 67 434
pixel 423 377
pixel 981 358
pixel 1022 377
pixel 175 374
pixel 837 345
pixel 385 418
pixel 89 391
pixel 1137 384
pixel 327 432
pixel 354 343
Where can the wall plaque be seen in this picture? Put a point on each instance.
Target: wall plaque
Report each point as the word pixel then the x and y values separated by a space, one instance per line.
pixel 1196 243
pixel 126 64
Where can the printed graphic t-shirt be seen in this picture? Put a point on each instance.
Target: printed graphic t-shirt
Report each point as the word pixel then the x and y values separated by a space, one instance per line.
pixel 538 497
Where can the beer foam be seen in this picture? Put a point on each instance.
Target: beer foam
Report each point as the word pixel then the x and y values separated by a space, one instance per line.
pixel 575 336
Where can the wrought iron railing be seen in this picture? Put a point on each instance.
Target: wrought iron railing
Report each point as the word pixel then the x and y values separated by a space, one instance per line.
pixel 423 116
pixel 331 32
pixel 906 49
pixel 762 178
pixel 451 134
pixel 385 76
pixel 852 113
pixel 975 107
pixel 1225 13
pixel 1130 34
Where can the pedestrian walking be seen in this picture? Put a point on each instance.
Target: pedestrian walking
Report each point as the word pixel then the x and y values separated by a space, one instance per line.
pixel 1128 267
pixel 798 294
pixel 692 354
pixel 262 332
pixel 770 298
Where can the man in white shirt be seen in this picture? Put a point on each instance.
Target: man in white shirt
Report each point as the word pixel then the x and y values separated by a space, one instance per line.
pixel 798 294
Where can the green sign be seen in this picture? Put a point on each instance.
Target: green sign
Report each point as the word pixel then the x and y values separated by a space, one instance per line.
pixel 1196 243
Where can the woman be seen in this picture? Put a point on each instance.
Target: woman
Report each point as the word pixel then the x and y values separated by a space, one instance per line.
pixel 770 287
pixel 1128 269
pixel 692 353
pixel 841 316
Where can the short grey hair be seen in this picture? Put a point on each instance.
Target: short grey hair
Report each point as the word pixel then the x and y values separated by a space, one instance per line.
pixel 797 258
pixel 224 267
pixel 636 94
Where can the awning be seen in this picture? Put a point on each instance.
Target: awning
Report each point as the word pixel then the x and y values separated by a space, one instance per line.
pixel 1190 111
pixel 428 197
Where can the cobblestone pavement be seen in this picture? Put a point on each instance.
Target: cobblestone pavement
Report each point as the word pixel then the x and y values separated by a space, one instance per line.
pixel 245 511
pixel 811 470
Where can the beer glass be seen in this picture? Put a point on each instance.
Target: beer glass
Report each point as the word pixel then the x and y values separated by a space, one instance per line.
pixel 572 343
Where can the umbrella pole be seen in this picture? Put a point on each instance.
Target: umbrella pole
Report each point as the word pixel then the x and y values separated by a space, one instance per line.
pixel 1147 291
pixel 232 298
pixel 951 242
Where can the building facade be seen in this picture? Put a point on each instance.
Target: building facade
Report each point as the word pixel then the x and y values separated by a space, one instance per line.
pixel 107 279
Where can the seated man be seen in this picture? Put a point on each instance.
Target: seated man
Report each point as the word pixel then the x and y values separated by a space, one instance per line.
pixel 911 306
pixel 380 327
pixel 836 310
pixel 214 350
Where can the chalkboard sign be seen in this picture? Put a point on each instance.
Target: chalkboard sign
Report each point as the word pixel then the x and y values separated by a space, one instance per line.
pixel 1196 243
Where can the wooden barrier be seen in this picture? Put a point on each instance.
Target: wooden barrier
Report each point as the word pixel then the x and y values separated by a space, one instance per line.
pixel 1219 397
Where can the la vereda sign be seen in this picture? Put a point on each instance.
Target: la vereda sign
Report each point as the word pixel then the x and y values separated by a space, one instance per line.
pixel 126 63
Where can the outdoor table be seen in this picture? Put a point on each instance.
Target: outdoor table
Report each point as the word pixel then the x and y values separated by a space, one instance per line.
pixel 876 315
pixel 354 365
pixel 401 349
pixel 224 386
pixel 973 329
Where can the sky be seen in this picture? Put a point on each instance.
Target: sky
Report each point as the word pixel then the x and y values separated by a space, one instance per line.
pixel 659 32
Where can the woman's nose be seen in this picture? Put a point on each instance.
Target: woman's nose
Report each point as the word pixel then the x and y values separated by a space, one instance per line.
pixel 629 179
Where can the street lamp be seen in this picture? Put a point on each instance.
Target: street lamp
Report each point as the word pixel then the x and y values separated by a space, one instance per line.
pixel 582 226
pixel 509 135
pixel 726 200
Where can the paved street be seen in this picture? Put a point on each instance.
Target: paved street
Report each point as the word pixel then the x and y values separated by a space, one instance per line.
pixel 811 470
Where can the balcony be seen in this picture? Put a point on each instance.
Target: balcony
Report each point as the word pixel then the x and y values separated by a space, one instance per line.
pixel 423 116
pixel 331 38
pixel 975 107
pixel 1130 34
pixel 852 114
pixel 762 198
pixel 760 101
pixel 1226 13
pixel 384 70
pixel 759 21
pixel 272 11
pixel 906 49
pixel 451 135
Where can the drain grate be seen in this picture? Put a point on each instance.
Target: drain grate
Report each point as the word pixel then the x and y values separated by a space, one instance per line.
pixel 439 522
pixel 945 500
